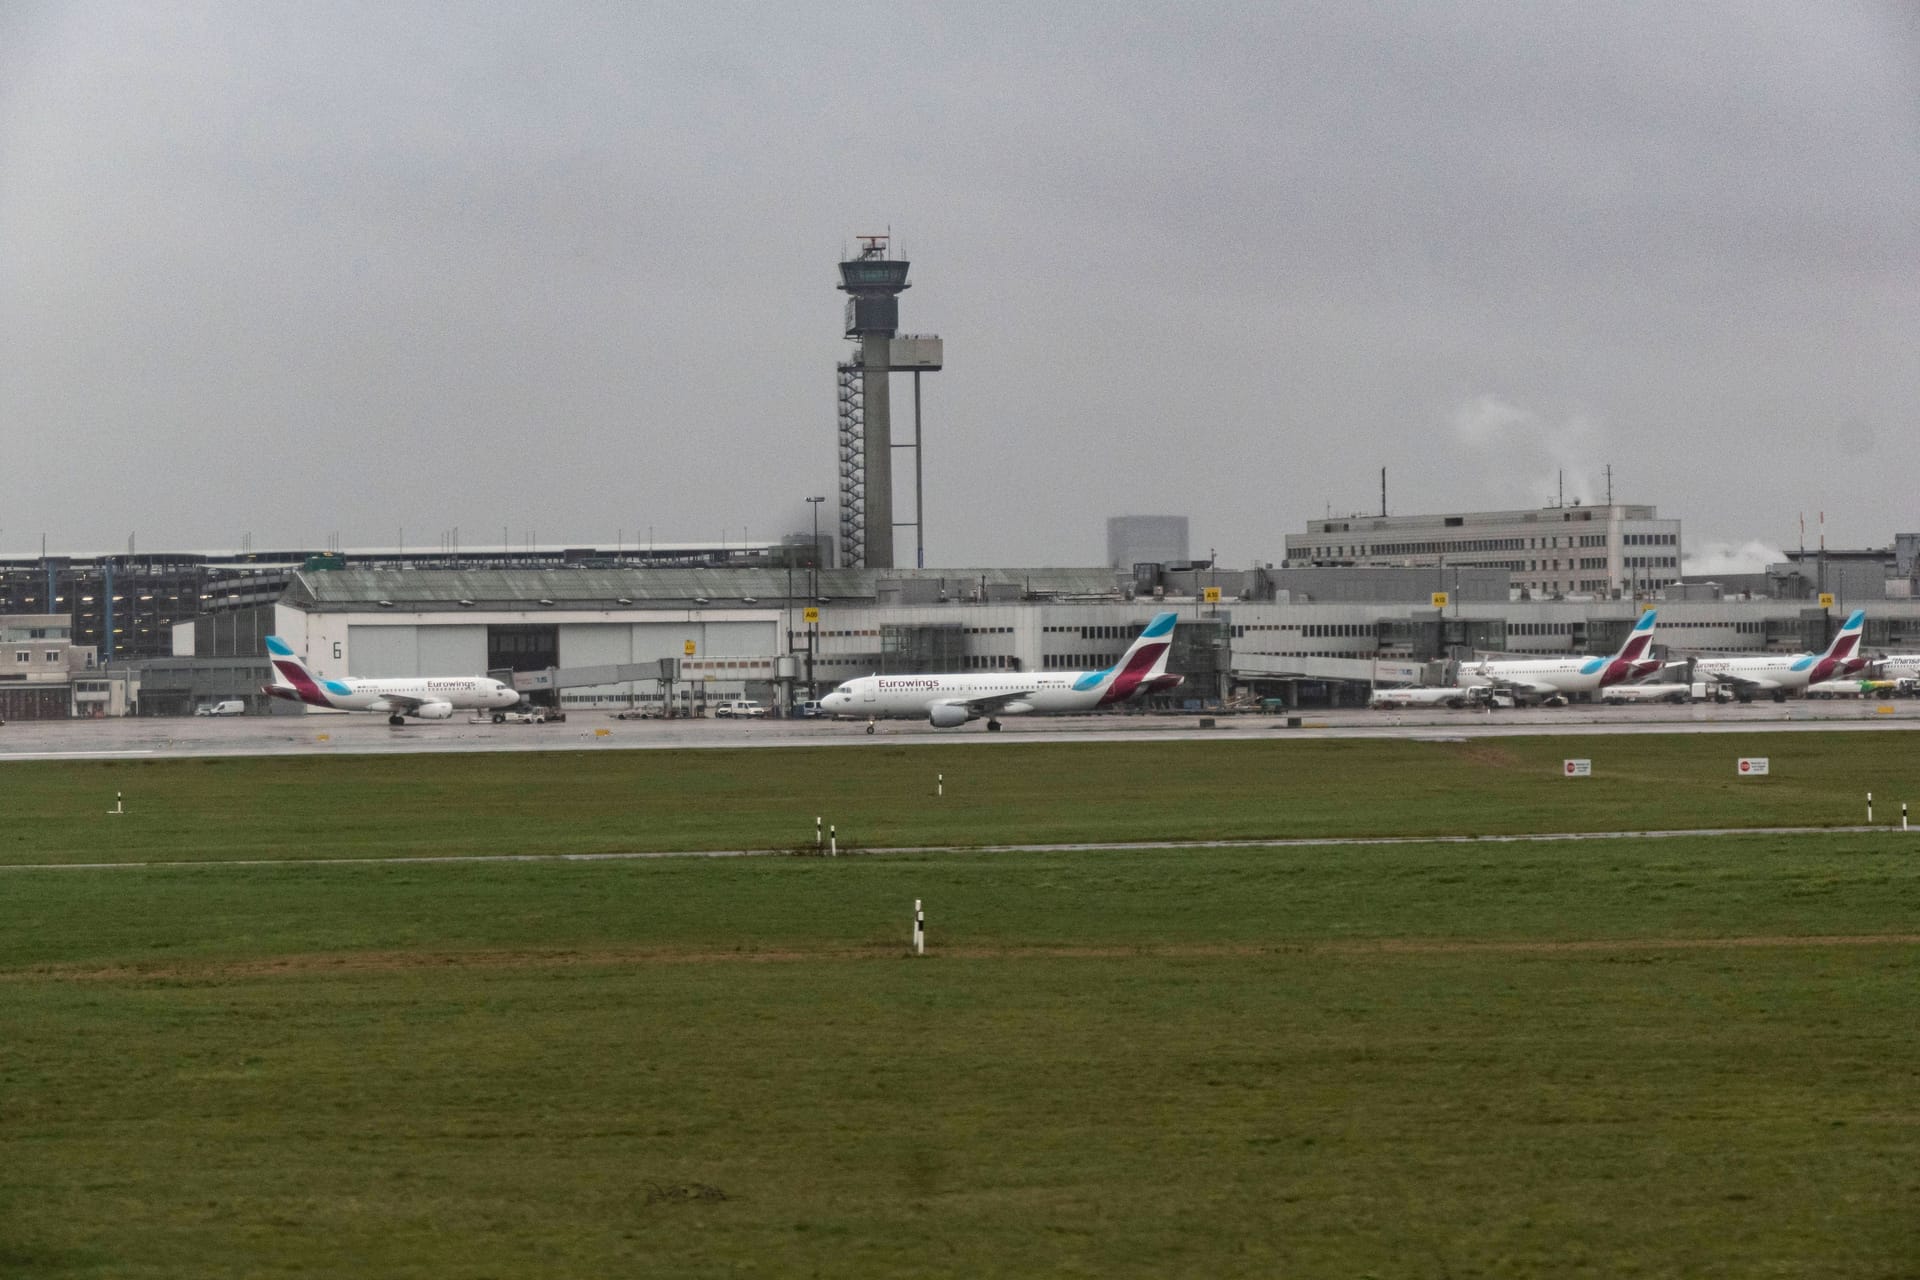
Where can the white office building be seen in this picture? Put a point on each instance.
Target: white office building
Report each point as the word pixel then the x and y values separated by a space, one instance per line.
pixel 1603 552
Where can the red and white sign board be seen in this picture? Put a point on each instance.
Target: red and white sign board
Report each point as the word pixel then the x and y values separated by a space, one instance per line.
pixel 1753 766
pixel 1577 768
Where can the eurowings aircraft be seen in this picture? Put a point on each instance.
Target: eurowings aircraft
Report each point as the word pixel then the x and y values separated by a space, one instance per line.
pixel 949 701
pixel 1546 677
pixel 1779 674
pixel 423 697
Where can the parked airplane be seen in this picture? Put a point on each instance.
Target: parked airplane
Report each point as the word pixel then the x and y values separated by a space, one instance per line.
pixel 1898 666
pixel 1545 678
pixel 949 701
pixel 1779 674
pixel 423 697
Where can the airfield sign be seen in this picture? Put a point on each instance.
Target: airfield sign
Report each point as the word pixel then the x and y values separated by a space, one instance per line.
pixel 1753 766
pixel 1577 768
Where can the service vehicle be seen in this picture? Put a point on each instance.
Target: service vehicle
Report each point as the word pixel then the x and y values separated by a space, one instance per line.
pixel 1653 691
pixel 740 709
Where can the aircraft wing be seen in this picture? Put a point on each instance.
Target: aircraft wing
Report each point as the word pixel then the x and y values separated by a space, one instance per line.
pixel 402 703
pixel 988 703
pixel 1514 684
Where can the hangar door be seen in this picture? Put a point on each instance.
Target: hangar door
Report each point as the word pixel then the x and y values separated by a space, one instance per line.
pixel 417 651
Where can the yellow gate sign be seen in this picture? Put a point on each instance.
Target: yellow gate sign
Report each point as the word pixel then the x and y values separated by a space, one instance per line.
pixel 1826 599
pixel 1439 599
pixel 689 648
pixel 809 614
pixel 1210 595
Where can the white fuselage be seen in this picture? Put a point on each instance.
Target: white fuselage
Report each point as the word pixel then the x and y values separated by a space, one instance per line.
pixel 1786 672
pixel 1556 675
pixel 462 693
pixel 912 697
pixel 1899 666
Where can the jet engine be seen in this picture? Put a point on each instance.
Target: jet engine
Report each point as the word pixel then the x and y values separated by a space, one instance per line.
pixel 434 710
pixel 947 715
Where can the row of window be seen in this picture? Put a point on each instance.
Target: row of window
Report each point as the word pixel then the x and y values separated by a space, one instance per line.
pixel 1652 562
pixel 26 655
pixel 1100 632
pixel 1650 539
pixel 1077 661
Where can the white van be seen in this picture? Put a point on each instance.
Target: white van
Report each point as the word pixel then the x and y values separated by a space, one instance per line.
pixel 231 707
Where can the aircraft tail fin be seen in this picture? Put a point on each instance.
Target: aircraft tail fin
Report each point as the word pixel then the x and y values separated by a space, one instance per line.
pixel 1634 658
pixel 291 679
pixel 1145 657
pixel 1638 645
pixel 1845 654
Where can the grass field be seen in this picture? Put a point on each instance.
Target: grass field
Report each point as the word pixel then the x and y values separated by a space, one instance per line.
pixel 1685 1057
pixel 587 802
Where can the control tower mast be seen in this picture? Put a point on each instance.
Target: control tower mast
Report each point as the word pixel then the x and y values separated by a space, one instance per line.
pixel 873 283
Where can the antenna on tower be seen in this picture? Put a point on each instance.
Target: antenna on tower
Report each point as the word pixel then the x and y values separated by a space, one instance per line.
pixel 1609 484
pixel 1383 492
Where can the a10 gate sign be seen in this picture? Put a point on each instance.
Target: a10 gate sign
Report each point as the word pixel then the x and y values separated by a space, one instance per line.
pixel 1753 766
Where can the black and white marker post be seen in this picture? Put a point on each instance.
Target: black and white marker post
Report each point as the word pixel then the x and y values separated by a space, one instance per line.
pixel 939 784
pixel 919 929
pixel 833 841
pixel 1869 808
pixel 819 836
pixel 119 805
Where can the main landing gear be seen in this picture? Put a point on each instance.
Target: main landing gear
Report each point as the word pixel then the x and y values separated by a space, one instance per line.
pixel 396 721
pixel 993 726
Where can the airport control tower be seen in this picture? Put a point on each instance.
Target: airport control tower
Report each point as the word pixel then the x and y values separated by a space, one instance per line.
pixel 873 283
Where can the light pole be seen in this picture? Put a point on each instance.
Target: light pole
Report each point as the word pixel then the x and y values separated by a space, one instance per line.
pixel 813 590
pixel 813 559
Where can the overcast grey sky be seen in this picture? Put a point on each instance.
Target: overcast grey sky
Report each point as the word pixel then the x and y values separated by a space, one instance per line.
pixel 299 270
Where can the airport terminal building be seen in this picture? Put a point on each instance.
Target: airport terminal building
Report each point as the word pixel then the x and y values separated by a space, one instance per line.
pixel 615 638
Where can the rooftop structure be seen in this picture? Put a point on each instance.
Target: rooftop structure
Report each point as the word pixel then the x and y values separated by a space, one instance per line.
pixel 1133 540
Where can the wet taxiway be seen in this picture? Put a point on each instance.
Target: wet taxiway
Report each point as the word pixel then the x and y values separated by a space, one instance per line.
pixel 599 731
